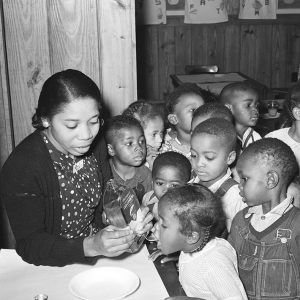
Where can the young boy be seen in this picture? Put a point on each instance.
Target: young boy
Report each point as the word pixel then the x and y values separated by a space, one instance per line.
pixel 180 107
pixel 242 99
pixel 211 110
pixel 266 236
pixel 213 145
pixel 190 219
pixel 170 169
pixel 127 149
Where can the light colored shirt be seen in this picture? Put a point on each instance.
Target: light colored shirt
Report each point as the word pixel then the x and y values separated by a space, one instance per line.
pixel 283 135
pixel 261 221
pixel 171 143
pixel 232 202
pixel 247 141
pixel 211 273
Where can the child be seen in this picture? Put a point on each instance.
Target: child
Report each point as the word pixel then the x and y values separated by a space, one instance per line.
pixel 153 125
pixel 213 145
pixel 190 219
pixel 127 149
pixel 242 99
pixel 211 110
pixel 180 107
pixel 291 135
pixel 266 236
pixel 170 169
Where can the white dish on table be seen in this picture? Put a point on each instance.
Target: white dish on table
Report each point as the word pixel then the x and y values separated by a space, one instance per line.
pixel 268 116
pixel 105 283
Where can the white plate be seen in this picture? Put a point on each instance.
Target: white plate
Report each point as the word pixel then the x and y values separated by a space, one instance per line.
pixel 105 283
pixel 267 116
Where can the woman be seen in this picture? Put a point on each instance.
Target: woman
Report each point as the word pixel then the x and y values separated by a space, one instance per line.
pixel 52 182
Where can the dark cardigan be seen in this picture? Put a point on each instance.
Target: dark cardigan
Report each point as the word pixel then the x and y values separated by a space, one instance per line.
pixel 30 192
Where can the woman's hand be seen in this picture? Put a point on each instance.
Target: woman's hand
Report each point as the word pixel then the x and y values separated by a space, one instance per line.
pixel 110 241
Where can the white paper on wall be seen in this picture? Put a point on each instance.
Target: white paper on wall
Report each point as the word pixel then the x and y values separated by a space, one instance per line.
pixel 257 9
pixel 205 11
pixel 151 12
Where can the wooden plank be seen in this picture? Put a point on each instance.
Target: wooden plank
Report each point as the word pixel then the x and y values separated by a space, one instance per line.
pixel 28 59
pixel 147 60
pixel 232 48
pixel 73 36
pixel 6 137
pixel 279 55
pixel 183 53
pixel 293 52
pixel 166 60
pixel 199 55
pixel 116 27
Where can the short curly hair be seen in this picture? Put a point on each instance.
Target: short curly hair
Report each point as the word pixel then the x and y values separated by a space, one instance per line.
pixel 213 110
pixel 118 123
pixel 175 160
pixel 143 111
pixel 275 154
pixel 220 128
pixel 196 208
pixel 186 89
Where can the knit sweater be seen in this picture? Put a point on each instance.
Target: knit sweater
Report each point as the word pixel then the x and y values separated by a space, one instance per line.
pixel 31 194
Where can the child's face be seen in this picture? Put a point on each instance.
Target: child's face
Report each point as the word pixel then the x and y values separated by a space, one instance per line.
pixel 154 131
pixel 253 179
pixel 129 147
pixel 197 120
pixel 184 110
pixel 209 157
pixel 170 238
pixel 244 108
pixel 165 178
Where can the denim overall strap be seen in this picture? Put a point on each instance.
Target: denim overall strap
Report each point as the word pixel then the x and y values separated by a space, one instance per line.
pixel 285 236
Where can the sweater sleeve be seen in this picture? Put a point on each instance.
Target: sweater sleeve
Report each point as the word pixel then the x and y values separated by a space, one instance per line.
pixel 29 191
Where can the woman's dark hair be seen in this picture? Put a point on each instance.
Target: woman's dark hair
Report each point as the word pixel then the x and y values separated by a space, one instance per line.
pixel 60 89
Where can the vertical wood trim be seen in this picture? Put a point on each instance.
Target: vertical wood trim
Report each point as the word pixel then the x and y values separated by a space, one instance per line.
pixel 117 48
pixel 183 49
pixel 28 59
pixel 73 36
pixel 6 137
pixel 232 48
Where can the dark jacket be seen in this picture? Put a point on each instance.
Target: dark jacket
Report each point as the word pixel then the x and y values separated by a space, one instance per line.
pixel 30 192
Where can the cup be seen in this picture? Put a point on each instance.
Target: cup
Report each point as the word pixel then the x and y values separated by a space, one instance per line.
pixel 273 108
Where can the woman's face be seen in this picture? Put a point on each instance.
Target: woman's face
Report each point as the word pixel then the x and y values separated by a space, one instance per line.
pixel 73 129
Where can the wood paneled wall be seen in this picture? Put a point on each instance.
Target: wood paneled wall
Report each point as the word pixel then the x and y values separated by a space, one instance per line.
pixel 268 51
pixel 41 37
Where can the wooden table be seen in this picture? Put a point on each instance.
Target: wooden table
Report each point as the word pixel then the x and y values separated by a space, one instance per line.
pixel 215 82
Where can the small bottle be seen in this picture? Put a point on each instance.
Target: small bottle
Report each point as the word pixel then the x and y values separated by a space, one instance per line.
pixel 121 208
pixel 41 297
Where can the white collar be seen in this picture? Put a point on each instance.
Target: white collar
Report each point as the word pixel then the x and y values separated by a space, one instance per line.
pixel 215 186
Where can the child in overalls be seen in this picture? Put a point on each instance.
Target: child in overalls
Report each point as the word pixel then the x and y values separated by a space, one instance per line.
pixel 266 236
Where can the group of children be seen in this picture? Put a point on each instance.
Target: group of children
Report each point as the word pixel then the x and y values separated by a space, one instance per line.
pixel 238 237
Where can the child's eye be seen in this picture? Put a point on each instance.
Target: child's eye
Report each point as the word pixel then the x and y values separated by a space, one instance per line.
pixel 142 142
pixel 129 144
pixel 193 155
pixel 158 183
pixel 71 127
pixel 95 121
pixel 210 157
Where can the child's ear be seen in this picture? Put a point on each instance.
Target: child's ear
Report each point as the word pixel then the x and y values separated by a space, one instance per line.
pixel 172 118
pixel 231 157
pixel 296 113
pixel 229 106
pixel 193 238
pixel 110 150
pixel 272 179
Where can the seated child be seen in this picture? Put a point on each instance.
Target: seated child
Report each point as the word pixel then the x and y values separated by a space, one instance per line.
pixel 242 99
pixel 266 235
pixel 211 110
pixel 190 219
pixel 170 169
pixel 127 150
pixel 180 107
pixel 212 152
pixel 153 125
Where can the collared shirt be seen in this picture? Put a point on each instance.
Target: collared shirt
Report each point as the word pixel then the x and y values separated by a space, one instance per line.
pixel 211 273
pixel 171 143
pixel 80 191
pixel 247 140
pixel 261 221
pixel 232 202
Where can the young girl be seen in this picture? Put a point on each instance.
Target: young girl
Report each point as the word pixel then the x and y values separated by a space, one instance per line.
pixel 181 104
pixel 190 219
pixel 153 125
